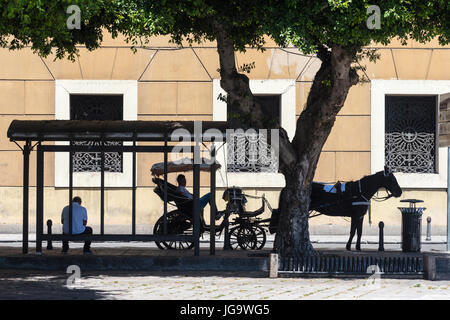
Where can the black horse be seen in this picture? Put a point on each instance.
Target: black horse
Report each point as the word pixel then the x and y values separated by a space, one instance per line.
pixel 352 199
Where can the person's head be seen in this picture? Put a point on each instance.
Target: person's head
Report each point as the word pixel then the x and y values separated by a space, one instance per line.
pixel 181 179
pixel 77 200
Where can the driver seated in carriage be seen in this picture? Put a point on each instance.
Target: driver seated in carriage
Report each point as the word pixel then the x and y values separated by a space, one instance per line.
pixel 181 179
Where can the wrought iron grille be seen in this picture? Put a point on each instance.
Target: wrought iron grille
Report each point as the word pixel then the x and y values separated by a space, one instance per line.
pixel 250 152
pixel 410 134
pixel 97 107
pixel 329 264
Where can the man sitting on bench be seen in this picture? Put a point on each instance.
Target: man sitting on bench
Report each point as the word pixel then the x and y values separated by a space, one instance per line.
pixel 181 179
pixel 79 221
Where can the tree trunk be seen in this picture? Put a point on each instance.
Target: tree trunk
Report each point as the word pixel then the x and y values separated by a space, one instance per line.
pixel 326 98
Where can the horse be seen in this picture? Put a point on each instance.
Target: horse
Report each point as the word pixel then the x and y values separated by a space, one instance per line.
pixel 352 199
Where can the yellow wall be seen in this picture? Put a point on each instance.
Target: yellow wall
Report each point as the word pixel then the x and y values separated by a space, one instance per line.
pixel 177 85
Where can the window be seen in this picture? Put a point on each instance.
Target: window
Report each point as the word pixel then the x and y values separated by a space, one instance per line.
pixel 251 151
pixel 96 100
pixel 281 90
pixel 96 107
pixel 410 125
pixel 413 176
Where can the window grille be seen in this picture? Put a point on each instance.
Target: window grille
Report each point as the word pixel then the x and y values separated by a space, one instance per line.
pixel 96 107
pixel 410 134
pixel 252 151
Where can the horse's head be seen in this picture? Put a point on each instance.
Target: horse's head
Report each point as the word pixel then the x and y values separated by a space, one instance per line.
pixel 390 183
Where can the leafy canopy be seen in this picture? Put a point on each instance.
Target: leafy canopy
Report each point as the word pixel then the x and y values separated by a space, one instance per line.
pixel 307 24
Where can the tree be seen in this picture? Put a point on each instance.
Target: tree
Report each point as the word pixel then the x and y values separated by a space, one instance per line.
pixel 337 31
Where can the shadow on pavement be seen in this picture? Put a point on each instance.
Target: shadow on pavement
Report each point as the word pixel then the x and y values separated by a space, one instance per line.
pixel 30 285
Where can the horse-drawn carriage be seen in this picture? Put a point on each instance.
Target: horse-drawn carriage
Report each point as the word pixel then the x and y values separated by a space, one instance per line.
pixel 248 230
pixel 245 230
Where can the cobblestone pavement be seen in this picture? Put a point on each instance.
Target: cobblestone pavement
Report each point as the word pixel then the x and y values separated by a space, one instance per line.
pixel 210 286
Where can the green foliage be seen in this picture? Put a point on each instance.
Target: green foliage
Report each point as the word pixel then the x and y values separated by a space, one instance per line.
pixel 42 24
pixel 193 20
pixel 310 24
pixel 307 24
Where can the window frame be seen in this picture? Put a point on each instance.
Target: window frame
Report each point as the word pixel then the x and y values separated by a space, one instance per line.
pixel 63 90
pixel 286 88
pixel 435 124
pixel 379 90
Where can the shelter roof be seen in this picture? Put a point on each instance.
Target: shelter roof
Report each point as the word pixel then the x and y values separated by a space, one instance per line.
pixel 113 130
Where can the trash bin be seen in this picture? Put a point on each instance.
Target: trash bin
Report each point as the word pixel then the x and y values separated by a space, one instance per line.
pixel 411 226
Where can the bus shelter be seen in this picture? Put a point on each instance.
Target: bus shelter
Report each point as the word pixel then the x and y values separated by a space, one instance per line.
pixel 40 135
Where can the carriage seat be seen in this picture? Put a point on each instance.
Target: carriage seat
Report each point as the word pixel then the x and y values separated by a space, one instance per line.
pixel 183 203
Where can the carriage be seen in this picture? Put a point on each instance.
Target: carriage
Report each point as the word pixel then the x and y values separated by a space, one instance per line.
pixel 248 229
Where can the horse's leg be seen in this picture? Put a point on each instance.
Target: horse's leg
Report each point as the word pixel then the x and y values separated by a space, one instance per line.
pixel 352 233
pixel 359 226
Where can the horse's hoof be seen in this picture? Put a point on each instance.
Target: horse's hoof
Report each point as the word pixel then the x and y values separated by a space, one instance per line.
pixel 358 248
pixel 348 248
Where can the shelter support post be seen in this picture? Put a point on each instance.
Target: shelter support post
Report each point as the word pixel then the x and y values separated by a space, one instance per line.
pixel 102 191
pixel 70 190
pixel 212 219
pixel 165 186
pixel 26 180
pixel 133 204
pixel 196 183
pixel 39 198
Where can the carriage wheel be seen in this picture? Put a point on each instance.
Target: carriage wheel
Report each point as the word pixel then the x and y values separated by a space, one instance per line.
pixel 260 234
pixel 243 237
pixel 177 224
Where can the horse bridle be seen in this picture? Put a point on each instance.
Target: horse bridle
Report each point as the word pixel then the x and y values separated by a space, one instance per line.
pixel 375 198
pixel 380 199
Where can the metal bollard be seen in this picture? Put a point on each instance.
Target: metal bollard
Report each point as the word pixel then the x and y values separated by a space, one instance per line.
pixel 428 238
pixel 49 232
pixel 381 236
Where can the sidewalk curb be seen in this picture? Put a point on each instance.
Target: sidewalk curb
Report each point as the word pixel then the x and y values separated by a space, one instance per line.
pixel 135 263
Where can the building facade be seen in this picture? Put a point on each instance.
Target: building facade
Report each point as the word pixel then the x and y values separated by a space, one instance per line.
pixel 392 119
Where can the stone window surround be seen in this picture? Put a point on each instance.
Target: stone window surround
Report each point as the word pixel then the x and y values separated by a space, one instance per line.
pixel 63 89
pixel 381 88
pixel 284 87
